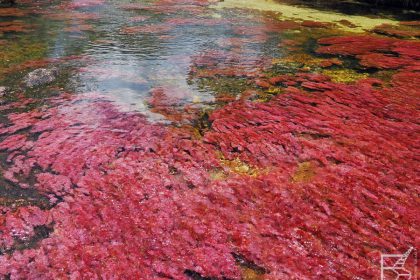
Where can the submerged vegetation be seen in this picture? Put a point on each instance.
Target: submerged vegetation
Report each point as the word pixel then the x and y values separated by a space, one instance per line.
pixel 205 139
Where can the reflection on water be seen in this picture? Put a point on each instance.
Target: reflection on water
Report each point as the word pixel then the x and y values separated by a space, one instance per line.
pixel 127 49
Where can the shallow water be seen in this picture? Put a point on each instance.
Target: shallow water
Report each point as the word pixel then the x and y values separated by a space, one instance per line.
pixel 182 139
pixel 127 65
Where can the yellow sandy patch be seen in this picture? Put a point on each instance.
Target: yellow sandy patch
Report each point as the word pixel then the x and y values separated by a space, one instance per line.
pixel 239 167
pixel 290 12
pixel 344 75
pixel 304 173
pixel 217 175
pixel 249 274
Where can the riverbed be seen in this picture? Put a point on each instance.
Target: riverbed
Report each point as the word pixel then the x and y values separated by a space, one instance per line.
pixel 204 139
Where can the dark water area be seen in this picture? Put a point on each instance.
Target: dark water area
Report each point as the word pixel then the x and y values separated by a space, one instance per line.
pixel 201 139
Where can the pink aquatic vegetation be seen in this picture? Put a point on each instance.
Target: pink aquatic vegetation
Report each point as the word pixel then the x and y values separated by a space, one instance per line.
pixel 345 137
pixel 171 6
pixel 324 175
pixel 195 21
pixel 173 103
pixel 77 4
pixel 12 12
pixel 79 28
pixel 400 31
pixel 103 155
pixel 375 52
pixel 151 28
pixel 316 24
pixel 235 62
pixel 14 26
pixel 42 63
pixel 139 18
pixel 74 15
pixel 134 199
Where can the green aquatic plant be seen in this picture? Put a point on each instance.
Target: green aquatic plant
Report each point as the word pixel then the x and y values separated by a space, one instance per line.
pixel 12 53
pixel 223 85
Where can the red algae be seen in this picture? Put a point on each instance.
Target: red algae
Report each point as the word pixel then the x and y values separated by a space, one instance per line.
pixel 166 7
pixel 383 61
pixel 152 28
pixel 411 23
pixel 79 28
pixel 122 184
pixel 396 31
pixel 14 26
pixel 74 15
pixel 315 24
pixel 139 18
pixel 314 183
pixel 170 103
pixel 330 62
pixel 12 12
pixel 77 4
pixel 354 45
pixel 111 159
pixel 372 51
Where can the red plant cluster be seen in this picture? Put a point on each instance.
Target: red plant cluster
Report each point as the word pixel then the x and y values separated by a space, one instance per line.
pixel 401 31
pixel 14 26
pixel 375 52
pixel 78 4
pixel 133 199
pixel 313 184
pixel 193 7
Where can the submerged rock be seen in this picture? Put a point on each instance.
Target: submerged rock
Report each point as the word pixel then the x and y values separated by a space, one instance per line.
pixel 10 2
pixel 40 77
pixel 2 91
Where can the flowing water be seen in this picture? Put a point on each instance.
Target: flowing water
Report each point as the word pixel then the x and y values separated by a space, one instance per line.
pixel 184 139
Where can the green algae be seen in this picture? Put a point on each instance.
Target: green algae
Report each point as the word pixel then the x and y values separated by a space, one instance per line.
pixel 351 23
pixel 223 85
pixel 16 52
pixel 385 76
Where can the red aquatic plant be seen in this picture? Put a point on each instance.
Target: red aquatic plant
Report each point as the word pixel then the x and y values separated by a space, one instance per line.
pixel 14 26
pixel 73 15
pixel 77 4
pixel 173 103
pixel 375 52
pixel 315 24
pixel 139 18
pixel 384 61
pixel 319 176
pixel 12 12
pixel 396 31
pixel 79 28
pixel 354 45
pixel 152 28
pixel 134 198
